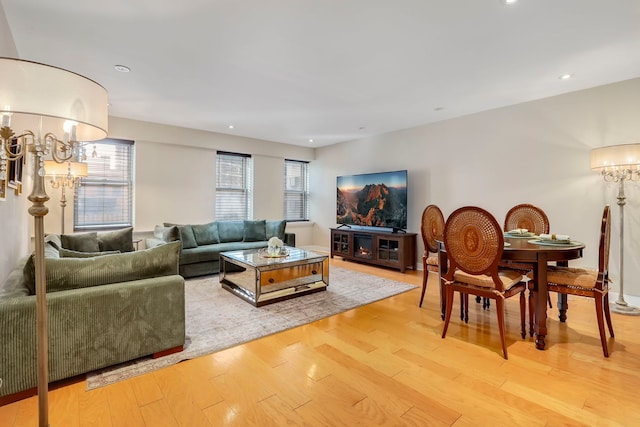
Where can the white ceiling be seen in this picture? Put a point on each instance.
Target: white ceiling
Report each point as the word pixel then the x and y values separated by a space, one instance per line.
pixel 327 70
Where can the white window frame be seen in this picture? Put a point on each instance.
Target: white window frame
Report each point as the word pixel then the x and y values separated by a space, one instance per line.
pixel 234 199
pixel 110 171
pixel 296 190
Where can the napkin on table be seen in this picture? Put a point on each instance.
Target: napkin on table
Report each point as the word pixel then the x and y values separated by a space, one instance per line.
pixel 562 237
pixel 518 231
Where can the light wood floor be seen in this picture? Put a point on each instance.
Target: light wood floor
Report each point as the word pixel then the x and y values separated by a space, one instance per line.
pixel 381 364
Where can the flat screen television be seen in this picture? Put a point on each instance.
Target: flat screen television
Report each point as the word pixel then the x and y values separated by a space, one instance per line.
pixel 373 200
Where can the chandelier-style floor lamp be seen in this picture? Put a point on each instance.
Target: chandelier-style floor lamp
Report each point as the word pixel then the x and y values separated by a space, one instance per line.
pixel 619 163
pixel 38 103
pixel 65 175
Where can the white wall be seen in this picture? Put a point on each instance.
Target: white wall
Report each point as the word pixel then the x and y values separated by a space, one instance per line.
pixel 536 152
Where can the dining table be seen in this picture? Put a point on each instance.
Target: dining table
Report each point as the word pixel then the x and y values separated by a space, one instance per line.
pixel 537 253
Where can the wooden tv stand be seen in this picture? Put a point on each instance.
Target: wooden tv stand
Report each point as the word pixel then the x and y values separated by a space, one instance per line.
pixel 394 250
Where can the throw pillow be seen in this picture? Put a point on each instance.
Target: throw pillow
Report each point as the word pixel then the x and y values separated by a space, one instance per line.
pixel 83 242
pixel 167 234
pixel 75 273
pixel 68 253
pixel 186 235
pixel 276 228
pixel 255 231
pixel 117 240
pixel 54 240
pixel 206 234
pixel 231 231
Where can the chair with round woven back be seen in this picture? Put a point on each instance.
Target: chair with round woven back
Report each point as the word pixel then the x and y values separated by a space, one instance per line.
pixel 431 228
pixel 474 243
pixel 535 220
pixel 589 283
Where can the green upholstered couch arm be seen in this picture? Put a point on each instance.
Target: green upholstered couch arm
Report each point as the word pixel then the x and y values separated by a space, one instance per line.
pixel 91 328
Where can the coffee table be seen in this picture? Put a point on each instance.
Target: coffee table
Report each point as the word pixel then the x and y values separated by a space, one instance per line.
pixel 260 279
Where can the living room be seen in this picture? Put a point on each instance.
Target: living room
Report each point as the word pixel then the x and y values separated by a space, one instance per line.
pixel 535 151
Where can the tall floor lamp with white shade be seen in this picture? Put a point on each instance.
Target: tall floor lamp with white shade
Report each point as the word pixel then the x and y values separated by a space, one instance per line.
pixel 65 176
pixel 38 105
pixel 619 163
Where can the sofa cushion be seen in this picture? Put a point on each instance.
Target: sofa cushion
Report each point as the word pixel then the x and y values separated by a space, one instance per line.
pixel 186 235
pixel 254 231
pixel 117 240
pixel 15 285
pixel 74 273
pixel 54 240
pixel 231 231
pixel 276 229
pixel 83 242
pixel 68 253
pixel 166 234
pixel 206 234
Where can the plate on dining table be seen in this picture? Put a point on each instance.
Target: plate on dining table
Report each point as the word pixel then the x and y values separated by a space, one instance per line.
pixel 526 235
pixel 554 242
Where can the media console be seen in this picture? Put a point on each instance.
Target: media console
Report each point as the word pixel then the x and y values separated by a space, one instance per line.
pixel 394 250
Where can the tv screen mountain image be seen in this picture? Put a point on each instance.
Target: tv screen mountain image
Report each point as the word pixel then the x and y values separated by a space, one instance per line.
pixel 373 199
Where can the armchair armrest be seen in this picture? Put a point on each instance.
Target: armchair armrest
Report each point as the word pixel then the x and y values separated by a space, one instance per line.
pixel 290 239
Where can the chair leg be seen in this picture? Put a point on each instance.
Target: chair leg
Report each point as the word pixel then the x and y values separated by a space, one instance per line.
pixel 549 300
pixel 500 313
pixel 425 277
pixel 532 310
pixel 607 314
pixel 448 291
pixel 523 328
pixel 600 317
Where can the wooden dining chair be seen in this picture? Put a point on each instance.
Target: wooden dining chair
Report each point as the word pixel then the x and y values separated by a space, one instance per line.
pixel 589 283
pixel 534 219
pixel 432 228
pixel 474 243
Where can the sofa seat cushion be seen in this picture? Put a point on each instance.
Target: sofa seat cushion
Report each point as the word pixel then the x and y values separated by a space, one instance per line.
pixel 203 253
pixel 74 273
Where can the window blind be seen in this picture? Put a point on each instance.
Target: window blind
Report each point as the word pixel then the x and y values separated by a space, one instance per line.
pixel 105 198
pixel 233 186
pixel 296 190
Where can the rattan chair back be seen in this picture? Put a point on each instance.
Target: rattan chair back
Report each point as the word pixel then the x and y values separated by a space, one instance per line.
pixel 432 227
pixel 605 244
pixel 474 241
pixel 527 216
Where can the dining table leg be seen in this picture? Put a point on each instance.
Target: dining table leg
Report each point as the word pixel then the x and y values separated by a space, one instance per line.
pixel 540 278
pixel 563 304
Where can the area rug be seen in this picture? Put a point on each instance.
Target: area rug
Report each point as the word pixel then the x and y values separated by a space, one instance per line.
pixel 213 316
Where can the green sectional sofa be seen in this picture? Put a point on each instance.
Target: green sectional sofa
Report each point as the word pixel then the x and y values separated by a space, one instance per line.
pixel 102 309
pixel 202 243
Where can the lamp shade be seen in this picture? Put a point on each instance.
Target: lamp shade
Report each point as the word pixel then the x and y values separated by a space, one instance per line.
pixel 66 169
pixel 625 156
pixel 42 98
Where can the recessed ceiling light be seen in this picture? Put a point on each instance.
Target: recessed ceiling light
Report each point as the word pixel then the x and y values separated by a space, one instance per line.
pixel 565 76
pixel 510 1
pixel 311 140
pixel 122 68
pixel 230 126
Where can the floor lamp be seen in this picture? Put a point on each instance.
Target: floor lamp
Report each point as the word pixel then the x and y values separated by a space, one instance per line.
pixel 39 102
pixel 64 175
pixel 619 163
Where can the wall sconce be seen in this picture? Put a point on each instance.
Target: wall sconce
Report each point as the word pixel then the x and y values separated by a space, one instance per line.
pixel 63 176
pixel 40 102
pixel 619 163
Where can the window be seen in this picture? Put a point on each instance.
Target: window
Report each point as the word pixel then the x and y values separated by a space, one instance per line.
pixel 105 197
pixel 296 190
pixel 233 186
